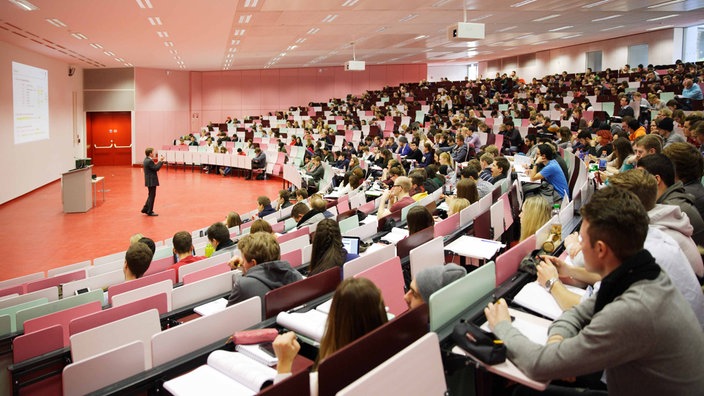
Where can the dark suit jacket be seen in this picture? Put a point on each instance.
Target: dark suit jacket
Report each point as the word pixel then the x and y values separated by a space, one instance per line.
pixel 317 173
pixel 151 179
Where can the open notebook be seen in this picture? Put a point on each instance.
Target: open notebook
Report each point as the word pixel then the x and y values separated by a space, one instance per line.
pixel 227 373
pixel 534 297
pixel 395 235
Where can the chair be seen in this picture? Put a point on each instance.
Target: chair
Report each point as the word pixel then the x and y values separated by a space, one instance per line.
pixel 12 311
pixel 94 282
pixel 449 302
pixel 482 225
pixel 348 223
pixel 429 254
pixel 190 336
pixel 302 291
pixel 201 264
pixel 497 219
pixel 56 306
pixel 507 263
pixel 49 294
pixel 293 244
pixel 404 246
pixel 139 327
pixel 54 281
pixel 61 318
pixel 20 280
pixel 119 256
pixel 113 314
pixel 116 290
pixel 17 290
pixel 104 369
pixel 292 235
pixel 160 265
pixel 447 226
pixel 388 276
pixel 201 290
pixel 368 260
pixel 126 297
pixel 37 343
pixel 417 369
pixel 294 258
pixel 67 268
pixel 298 384
pixel 359 357
pixel 206 273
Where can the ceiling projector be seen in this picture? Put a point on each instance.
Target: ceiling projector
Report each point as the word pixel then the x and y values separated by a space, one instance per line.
pixel 464 31
pixel 354 65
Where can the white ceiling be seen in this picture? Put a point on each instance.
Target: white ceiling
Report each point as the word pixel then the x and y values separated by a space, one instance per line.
pixel 202 34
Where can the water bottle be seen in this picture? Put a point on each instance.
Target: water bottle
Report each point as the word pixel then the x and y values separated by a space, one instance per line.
pixel 602 161
pixel 556 226
pixel 209 249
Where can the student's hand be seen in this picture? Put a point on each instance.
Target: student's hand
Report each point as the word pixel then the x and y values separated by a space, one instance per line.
pixel 496 313
pixel 555 339
pixel 572 245
pixel 286 348
pixel 560 266
pixel 546 271
pixel 236 262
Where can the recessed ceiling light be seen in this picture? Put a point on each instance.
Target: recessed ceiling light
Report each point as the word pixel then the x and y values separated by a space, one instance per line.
pixel 422 36
pixel 545 18
pixel 251 3
pixel 561 28
pixel 381 29
pixel 129 64
pixel 109 53
pixel 440 3
pixel 144 4
pixel 349 3
pixel 234 42
pixel 571 36
pixel 119 60
pixel 606 18
pixel 506 29
pixel 245 18
pixel 300 40
pixel 96 45
pixel 168 43
pixel 239 32
pixel 24 5
pixel 155 21
pixel 525 36
pixel 539 42
pixel 667 3
pixel 612 28
pixel 522 3
pixel 660 27
pixel 56 22
pixel 662 17
pixel 481 17
pixel 408 17
pixel 329 18
pixel 79 36
pixel 173 51
pixel 598 3
pixel 162 34
pixel 313 30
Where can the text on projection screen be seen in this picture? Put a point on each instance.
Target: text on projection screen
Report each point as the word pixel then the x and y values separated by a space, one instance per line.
pixel 30 93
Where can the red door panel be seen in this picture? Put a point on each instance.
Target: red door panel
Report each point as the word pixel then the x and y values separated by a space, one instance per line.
pixel 109 137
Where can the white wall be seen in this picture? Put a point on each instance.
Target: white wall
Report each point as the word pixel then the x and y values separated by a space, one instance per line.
pixel 661 50
pixel 451 72
pixel 32 165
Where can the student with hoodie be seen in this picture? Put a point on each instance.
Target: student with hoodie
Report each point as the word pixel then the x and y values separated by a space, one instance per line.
pixel 262 268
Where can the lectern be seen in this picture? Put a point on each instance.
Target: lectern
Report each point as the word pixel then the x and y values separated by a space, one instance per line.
pixel 76 190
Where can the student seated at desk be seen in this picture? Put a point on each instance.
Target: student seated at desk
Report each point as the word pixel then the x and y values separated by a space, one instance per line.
pixel 219 238
pixel 396 198
pixel 534 214
pixel 137 260
pixel 328 251
pixel 431 280
pixel 637 328
pixel 262 268
pixel 305 216
pixel 260 225
pixel 183 250
pixel 357 308
pixel 419 218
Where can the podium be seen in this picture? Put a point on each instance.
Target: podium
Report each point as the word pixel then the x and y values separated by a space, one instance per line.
pixel 76 192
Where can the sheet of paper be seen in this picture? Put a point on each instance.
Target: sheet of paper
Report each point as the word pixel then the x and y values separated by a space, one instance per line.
pixel 310 324
pixel 534 297
pixel 475 247
pixel 211 307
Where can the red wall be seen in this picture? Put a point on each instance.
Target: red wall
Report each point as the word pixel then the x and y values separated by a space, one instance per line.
pixel 216 95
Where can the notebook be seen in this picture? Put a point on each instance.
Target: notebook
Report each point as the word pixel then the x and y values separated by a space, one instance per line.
pixel 534 297
pixel 226 373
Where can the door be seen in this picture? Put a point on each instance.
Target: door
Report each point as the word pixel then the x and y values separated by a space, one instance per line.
pixel 109 137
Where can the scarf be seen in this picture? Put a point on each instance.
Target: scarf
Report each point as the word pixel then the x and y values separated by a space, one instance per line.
pixel 640 266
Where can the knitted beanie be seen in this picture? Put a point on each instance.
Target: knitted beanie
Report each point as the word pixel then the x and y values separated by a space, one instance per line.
pixel 433 279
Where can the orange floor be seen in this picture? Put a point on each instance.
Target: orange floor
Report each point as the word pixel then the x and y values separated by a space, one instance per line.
pixel 36 235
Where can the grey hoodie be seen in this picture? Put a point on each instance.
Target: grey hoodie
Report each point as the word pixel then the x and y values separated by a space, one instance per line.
pixel 671 220
pixel 677 195
pixel 260 279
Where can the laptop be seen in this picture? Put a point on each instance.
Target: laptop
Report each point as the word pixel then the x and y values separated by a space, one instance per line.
pixel 351 244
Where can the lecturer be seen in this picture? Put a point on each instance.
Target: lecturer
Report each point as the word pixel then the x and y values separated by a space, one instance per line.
pixel 151 179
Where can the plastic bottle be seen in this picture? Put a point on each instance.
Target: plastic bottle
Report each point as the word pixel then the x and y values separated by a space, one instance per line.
pixel 556 226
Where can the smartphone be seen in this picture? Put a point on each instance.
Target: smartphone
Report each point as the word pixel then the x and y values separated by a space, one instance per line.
pixel 602 165
pixel 268 348
pixel 81 291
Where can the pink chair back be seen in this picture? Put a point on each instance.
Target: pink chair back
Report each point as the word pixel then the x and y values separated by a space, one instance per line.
pixel 159 265
pixel 96 319
pixel 205 273
pixel 61 318
pixel 388 276
pixel 141 282
pixel 278 227
pixel 447 226
pixel 18 289
pixel 294 257
pixel 38 343
pixel 507 263
pixel 343 206
pixel 55 281
pixel 292 235
pixel 367 207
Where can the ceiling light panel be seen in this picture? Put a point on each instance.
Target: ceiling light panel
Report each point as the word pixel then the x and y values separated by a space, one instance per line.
pixel 606 18
pixel 144 3
pixel 545 18
pixel 665 4
pixel 24 5
pixel 561 28
pixel 662 17
pixel 245 18
pixel 155 21
pixel 522 3
pixel 56 22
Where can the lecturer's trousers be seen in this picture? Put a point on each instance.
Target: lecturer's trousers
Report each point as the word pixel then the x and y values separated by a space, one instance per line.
pixel 149 205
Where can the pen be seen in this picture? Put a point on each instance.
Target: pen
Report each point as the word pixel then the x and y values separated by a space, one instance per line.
pixel 296 308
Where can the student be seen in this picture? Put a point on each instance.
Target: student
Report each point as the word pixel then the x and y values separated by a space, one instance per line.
pixel 260 225
pixel 637 328
pixel 137 260
pixel 328 251
pixel 396 198
pixel 183 250
pixel 305 216
pixel 431 280
pixel 233 220
pixel 499 169
pixel 219 238
pixel 534 214
pixel 357 309
pixel 262 268
pixel 551 171
pixel 264 206
pixel 419 218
